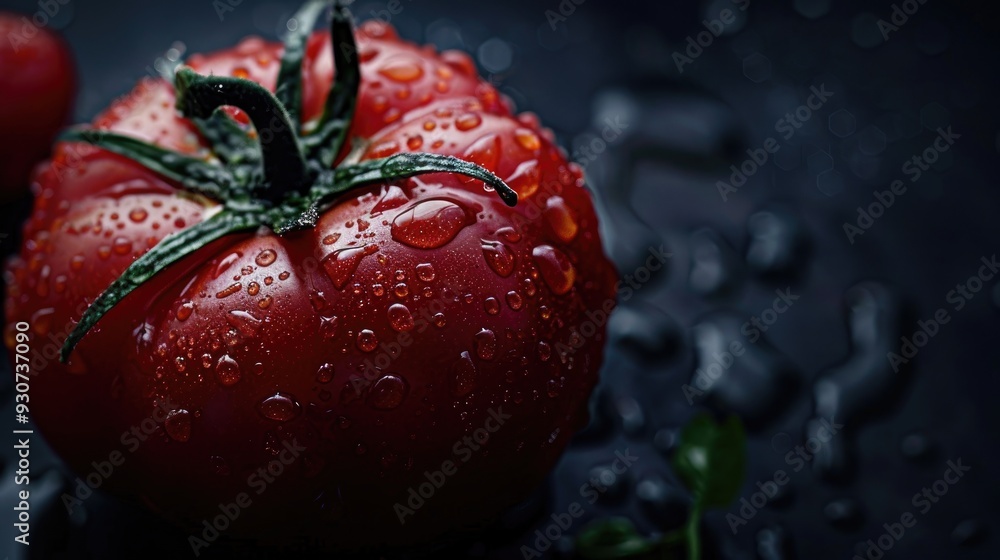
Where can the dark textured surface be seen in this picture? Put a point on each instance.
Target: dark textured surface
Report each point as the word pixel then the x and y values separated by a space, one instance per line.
pixel 781 231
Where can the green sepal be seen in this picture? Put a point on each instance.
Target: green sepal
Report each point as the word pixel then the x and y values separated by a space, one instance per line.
pixel 169 250
pixel 289 86
pixel 196 175
pixel 401 166
pixel 325 141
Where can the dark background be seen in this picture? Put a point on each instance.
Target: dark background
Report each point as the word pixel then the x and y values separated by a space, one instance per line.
pixel 656 182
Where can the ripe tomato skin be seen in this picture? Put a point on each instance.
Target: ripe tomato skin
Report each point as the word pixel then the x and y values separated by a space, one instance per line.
pixel 37 85
pixel 349 359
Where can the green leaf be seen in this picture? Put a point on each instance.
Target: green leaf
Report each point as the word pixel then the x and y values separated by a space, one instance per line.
pixel 289 87
pixel 169 250
pixel 401 166
pixel 710 460
pixel 192 173
pixel 612 539
pixel 328 137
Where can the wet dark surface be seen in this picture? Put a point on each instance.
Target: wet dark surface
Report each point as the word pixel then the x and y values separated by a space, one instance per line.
pixel 768 266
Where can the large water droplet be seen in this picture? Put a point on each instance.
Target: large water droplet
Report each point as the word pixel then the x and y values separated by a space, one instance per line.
pixel 325 373
pixel 429 224
pixel 555 268
pixel 498 257
pixel 525 178
pixel 484 152
pixel 266 257
pixel 560 219
pixel 340 265
pixel 227 370
pixel 402 68
pixel 367 341
pixel 400 317
pixel 425 272
pixel 178 424
pixel 464 376
pixel 486 344
pixel 388 392
pixel 280 407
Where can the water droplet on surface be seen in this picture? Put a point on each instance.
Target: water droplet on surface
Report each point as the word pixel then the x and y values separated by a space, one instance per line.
pixel 498 257
pixel 253 288
pixel 544 351
pixel 325 373
pixel 328 326
pixel 425 272
pixel 367 340
pixel 138 215
pixel 388 392
pixel 555 268
pixel 525 179
pixel 468 121
pixel 491 305
pixel 464 376
pixel 484 152
pixel 527 139
pixel 178 425
pixel 341 264
pixel 400 317
pixel 514 300
pixel 184 311
pixel 509 234
pixel 429 224
pixel 402 68
pixel 227 371
pixel 230 290
pixel 486 344
pixel 279 407
pixel 560 219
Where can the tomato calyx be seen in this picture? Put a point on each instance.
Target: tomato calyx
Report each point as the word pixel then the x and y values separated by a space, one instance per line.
pixel 282 177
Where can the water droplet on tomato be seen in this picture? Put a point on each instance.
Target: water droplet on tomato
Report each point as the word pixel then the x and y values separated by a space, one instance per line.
pixel 341 264
pixel 266 257
pixel 425 272
pixel 325 373
pixel 280 407
pixel 468 121
pixel 509 234
pixel 525 178
pixel 464 376
pixel 400 317
pixel 253 288
pixel 484 152
pixel 227 370
pixel 429 224
pixel 544 351
pixel 328 326
pixel 178 424
pixel 491 305
pixel 498 257
pixel 560 219
pixel 402 68
pixel 486 344
pixel 527 139
pixel 388 392
pixel 138 215
pixel 184 311
pixel 555 268
pixel 367 341
pixel 514 300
